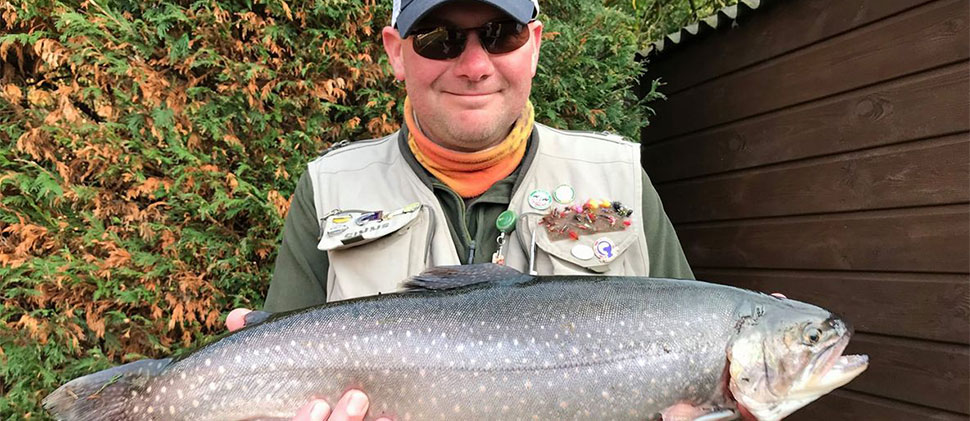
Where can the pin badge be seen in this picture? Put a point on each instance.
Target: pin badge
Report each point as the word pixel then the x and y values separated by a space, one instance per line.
pixel 604 249
pixel 412 207
pixel 337 229
pixel 403 211
pixel 540 199
pixel 564 194
pixel 582 252
pixel 367 217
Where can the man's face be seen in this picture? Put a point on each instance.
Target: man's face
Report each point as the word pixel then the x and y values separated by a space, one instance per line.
pixel 467 103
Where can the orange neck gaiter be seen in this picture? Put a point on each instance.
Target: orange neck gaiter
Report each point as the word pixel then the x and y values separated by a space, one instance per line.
pixel 470 173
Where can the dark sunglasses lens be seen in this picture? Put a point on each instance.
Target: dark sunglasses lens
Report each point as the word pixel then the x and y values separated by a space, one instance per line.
pixel 503 37
pixel 442 43
pixel 439 43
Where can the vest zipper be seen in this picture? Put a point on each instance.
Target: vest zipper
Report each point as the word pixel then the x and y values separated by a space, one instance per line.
pixel 471 253
pixel 463 229
pixel 467 236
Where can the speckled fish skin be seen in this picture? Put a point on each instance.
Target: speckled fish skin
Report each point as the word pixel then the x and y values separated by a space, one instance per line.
pixel 549 348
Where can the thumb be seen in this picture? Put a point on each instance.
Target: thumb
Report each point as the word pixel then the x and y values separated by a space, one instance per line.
pixel 237 319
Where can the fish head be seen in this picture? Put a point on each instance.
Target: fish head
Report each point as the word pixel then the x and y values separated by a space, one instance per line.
pixel 787 354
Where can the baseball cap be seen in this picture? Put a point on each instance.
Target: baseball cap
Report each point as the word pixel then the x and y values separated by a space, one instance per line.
pixel 407 12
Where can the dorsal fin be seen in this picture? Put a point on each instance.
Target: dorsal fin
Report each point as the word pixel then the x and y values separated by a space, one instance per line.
pixel 449 277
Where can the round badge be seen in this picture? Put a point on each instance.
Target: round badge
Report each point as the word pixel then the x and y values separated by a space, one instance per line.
pixel 604 249
pixel 540 200
pixel 582 252
pixel 564 194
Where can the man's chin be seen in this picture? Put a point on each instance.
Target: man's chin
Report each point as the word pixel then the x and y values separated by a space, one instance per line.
pixel 473 137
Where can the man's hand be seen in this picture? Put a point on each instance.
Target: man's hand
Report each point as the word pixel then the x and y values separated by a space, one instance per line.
pixel 351 407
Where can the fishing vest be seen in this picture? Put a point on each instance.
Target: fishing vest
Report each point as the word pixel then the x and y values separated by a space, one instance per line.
pixel 380 224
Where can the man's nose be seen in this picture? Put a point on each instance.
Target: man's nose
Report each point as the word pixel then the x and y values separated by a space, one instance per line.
pixel 474 63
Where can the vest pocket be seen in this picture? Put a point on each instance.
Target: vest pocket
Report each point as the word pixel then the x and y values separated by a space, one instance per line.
pixel 606 253
pixel 381 264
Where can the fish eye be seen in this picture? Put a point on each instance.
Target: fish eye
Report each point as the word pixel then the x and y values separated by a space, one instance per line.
pixel 811 335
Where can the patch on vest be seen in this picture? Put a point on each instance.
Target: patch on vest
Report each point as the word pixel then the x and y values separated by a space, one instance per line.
pixel 344 229
pixel 593 217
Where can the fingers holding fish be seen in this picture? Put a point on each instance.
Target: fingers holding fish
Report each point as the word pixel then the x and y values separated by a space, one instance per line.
pixel 316 410
pixel 237 319
pixel 351 407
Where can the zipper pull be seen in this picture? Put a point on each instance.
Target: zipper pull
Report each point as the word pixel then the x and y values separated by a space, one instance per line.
pixel 471 253
pixel 505 224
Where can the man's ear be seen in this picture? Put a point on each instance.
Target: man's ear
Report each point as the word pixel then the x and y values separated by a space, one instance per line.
pixel 393 45
pixel 536 40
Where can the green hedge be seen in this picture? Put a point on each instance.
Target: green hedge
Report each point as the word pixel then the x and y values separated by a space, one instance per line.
pixel 148 151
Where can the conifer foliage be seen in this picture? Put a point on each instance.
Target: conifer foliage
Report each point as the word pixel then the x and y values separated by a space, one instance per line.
pixel 148 151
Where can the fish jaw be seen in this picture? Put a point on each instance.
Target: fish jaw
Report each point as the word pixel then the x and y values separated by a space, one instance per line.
pixel 831 370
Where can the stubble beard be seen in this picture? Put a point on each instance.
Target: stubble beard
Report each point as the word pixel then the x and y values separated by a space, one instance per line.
pixel 456 135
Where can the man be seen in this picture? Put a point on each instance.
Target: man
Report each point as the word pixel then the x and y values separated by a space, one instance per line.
pixel 471 178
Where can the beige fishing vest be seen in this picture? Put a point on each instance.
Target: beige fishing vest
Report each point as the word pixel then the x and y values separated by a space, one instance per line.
pixel 375 256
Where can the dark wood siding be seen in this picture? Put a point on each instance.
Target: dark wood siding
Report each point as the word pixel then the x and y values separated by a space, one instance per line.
pixel 821 148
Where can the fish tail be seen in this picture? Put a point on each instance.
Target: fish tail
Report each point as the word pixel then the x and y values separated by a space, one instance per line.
pixel 105 395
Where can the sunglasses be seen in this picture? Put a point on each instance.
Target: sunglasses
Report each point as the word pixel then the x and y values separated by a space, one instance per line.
pixel 448 41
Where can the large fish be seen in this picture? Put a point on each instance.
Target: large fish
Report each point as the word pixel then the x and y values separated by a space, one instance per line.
pixel 487 342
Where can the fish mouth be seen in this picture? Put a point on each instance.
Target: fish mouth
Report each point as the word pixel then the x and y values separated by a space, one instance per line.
pixel 833 370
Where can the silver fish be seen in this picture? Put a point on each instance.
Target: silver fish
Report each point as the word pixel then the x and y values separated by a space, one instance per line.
pixel 485 341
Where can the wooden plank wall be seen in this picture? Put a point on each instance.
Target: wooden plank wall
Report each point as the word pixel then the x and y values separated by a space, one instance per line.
pixel 820 149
